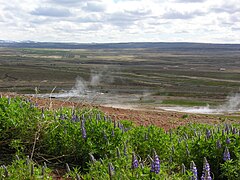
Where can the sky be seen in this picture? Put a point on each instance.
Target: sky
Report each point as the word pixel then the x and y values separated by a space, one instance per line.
pixel 104 21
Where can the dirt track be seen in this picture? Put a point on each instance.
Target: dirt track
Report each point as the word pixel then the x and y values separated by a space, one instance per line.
pixel 164 119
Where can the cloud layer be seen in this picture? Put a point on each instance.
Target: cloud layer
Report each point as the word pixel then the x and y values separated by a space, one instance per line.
pixel 121 20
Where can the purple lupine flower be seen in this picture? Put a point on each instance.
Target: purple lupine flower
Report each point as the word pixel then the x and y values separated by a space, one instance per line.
pixel 218 144
pixel 62 117
pixel 206 170
pixel 74 117
pixel 155 166
pixel 226 154
pixel 228 141
pixel 193 169
pixel 120 126
pixel 227 129
pixel 207 175
pixel 84 133
pixel 208 133
pixel 223 132
pixel 234 131
pixel 134 161
pixel 110 170
pixel 113 134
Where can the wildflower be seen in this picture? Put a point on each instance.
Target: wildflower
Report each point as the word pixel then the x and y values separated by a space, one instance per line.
pixel 223 132
pixel 110 170
pixel 226 155
pixel 218 144
pixel 155 166
pixel 134 161
pixel 206 170
pixel 228 141
pixel 234 131
pixel 193 169
pixel 208 133
pixel 74 117
pixel 62 117
pixel 84 134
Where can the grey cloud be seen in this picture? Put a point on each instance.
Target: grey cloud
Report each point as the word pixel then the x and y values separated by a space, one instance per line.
pixel 127 18
pixel 140 12
pixel 90 19
pixel 52 12
pixel 235 29
pixel 172 14
pixel 94 7
pixel 226 8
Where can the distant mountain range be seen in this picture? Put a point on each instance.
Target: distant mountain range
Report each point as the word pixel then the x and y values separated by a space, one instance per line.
pixel 151 45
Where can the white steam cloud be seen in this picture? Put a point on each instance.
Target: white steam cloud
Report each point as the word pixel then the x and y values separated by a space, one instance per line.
pixel 79 88
pixel 232 105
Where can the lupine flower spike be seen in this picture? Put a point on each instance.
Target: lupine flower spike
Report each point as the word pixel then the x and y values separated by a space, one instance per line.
pixel 206 170
pixel 193 169
pixel 228 141
pixel 84 134
pixel 134 161
pixel 226 155
pixel 110 170
pixel 219 144
pixel 155 167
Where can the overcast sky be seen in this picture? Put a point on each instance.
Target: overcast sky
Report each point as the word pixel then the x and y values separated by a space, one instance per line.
pixel 86 21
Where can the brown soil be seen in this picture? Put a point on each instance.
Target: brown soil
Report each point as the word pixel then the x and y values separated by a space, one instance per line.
pixel 164 119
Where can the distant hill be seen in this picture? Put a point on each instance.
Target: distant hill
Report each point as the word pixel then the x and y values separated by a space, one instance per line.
pixel 151 45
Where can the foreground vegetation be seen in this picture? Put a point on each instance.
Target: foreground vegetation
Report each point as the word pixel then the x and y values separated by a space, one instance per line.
pixel 86 144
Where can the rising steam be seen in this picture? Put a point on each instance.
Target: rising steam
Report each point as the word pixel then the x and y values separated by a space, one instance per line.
pixel 232 105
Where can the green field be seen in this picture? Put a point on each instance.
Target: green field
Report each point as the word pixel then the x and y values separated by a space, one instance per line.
pixel 187 74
